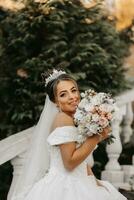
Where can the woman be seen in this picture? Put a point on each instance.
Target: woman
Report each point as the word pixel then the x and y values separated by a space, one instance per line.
pixel 68 176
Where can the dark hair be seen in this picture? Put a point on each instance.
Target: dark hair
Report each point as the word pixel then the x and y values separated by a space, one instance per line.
pixel 52 85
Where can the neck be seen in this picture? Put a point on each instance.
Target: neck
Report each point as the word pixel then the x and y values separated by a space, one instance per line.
pixel 70 114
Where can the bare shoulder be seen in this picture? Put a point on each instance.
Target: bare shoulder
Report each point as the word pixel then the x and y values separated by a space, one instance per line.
pixel 62 119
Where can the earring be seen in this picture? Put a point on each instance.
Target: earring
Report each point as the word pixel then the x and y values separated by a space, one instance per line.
pixel 59 108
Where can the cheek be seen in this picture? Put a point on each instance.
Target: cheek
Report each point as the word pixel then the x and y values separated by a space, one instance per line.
pixel 78 96
pixel 62 102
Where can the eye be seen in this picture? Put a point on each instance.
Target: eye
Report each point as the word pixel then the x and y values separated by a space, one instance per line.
pixel 62 95
pixel 74 90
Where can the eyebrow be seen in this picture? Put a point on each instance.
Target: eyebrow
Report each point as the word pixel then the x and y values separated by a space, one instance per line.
pixel 65 90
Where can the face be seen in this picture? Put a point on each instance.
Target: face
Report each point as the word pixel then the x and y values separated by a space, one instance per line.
pixel 67 96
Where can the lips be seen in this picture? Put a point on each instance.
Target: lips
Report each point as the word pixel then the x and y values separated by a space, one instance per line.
pixel 74 103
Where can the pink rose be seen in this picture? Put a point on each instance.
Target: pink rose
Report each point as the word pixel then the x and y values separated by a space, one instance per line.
pixel 103 122
pixel 109 116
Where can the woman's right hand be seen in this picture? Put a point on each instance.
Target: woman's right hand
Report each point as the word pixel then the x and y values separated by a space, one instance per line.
pixel 105 133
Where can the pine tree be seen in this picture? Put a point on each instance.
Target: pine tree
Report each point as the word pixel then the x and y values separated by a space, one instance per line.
pixel 43 36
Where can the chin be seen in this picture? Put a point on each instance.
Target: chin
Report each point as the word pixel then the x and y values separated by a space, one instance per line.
pixel 74 111
pixel 71 110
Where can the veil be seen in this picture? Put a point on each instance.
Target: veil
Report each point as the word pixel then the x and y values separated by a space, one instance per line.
pixel 37 159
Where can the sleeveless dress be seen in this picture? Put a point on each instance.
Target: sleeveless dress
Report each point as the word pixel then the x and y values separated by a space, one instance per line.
pixel 61 184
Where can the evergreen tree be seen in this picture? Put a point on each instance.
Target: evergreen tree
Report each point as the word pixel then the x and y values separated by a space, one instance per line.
pixel 42 36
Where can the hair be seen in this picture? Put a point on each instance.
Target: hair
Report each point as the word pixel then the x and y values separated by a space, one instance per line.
pixel 52 85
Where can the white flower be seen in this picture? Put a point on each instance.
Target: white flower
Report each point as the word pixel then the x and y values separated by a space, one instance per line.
pixel 100 129
pixel 89 134
pixel 80 129
pixel 111 101
pixel 106 107
pixel 86 119
pixel 78 115
pixel 81 139
pixel 95 117
pixel 93 128
pixel 97 100
pixel 82 94
pixel 83 103
pixel 89 108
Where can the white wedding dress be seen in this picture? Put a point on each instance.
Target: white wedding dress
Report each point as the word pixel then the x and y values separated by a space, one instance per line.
pixel 61 184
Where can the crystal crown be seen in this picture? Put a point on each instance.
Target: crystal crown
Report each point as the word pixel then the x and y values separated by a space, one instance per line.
pixel 55 74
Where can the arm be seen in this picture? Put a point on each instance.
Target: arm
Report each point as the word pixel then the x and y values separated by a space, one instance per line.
pixel 71 155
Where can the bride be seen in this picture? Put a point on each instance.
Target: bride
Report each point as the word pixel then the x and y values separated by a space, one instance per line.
pixel 56 167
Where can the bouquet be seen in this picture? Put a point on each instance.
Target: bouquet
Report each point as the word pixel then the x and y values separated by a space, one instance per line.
pixel 94 113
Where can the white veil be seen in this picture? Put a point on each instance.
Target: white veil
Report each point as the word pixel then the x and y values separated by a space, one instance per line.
pixel 37 162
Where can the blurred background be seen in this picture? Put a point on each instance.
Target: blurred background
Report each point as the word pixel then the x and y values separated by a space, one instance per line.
pixel 93 40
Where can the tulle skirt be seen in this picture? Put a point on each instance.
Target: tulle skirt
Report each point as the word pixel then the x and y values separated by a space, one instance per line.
pixel 66 187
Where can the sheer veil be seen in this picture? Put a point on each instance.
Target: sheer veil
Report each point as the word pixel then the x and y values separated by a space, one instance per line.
pixel 37 161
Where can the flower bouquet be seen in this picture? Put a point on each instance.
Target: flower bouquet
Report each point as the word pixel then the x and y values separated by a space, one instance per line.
pixel 94 113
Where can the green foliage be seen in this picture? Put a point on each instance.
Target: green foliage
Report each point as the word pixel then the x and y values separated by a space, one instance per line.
pixel 40 37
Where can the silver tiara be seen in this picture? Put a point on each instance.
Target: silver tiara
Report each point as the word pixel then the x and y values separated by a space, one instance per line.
pixel 55 74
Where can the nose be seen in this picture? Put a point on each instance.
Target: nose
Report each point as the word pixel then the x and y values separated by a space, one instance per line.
pixel 71 95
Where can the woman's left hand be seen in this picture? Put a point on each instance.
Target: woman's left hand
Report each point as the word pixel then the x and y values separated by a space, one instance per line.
pixel 98 182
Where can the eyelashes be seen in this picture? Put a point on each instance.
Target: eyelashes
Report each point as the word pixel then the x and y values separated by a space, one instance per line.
pixel 73 91
pixel 62 95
